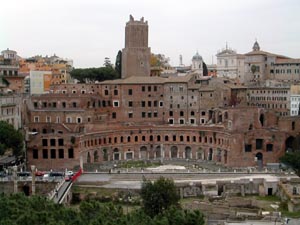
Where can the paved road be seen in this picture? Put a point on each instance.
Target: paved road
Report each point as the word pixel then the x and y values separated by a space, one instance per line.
pixel 293 222
pixel 133 180
pixel 60 192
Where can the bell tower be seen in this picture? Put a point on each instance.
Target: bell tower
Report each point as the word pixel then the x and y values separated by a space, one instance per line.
pixel 136 54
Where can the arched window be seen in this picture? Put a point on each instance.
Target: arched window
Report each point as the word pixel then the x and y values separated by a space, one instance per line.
pixel 158 137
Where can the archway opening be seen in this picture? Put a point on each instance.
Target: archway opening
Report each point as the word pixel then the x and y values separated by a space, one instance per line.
pixel 105 154
pixel 96 156
pixel 157 153
pixel 289 144
pixel 116 154
pixel 188 153
pixel 200 154
pixel 143 152
pixel 174 152
pixel 210 154
pixel 88 158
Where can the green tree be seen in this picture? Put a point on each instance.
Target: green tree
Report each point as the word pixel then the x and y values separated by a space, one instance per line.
pixel 159 195
pixel 292 159
pixel 107 62
pixel 94 74
pixel 10 139
pixel 4 81
pixel 177 216
pixel 118 64
pixel 253 69
pixel 17 209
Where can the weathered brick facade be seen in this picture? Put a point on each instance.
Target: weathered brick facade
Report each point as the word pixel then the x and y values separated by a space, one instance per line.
pixel 143 117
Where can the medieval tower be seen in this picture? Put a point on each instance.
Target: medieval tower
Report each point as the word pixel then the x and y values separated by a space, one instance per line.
pixel 136 54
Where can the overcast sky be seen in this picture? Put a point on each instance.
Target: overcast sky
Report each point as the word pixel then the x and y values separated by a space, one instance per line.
pixel 87 31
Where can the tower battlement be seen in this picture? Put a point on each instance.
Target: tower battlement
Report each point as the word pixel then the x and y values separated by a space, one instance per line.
pixel 136 54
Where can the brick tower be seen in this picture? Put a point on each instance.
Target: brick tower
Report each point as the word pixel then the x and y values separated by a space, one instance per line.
pixel 136 54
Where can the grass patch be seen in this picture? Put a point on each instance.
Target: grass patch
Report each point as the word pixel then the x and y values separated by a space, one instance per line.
pixel 269 198
pixel 86 190
pixel 191 199
pixel 290 214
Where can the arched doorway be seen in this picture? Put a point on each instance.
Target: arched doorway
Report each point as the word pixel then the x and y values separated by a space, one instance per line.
pixel 200 153
pixel 210 154
pixel 225 157
pixel 259 158
pixel 219 155
pixel 96 156
pixel 116 155
pixel 143 152
pixel 219 118
pixel 88 158
pixel 188 152
pixel 157 153
pixel 174 152
pixel 105 154
pixel 289 144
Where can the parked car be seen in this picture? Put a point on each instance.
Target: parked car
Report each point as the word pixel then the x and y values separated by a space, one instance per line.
pixel 39 173
pixel 68 178
pixel 24 174
pixel 69 173
pixel 56 174
pixel 46 177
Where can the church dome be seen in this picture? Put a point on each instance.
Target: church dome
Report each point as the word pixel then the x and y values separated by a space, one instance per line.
pixel 197 57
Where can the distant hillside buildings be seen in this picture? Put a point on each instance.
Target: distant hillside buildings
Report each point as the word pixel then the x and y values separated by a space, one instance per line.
pixel 20 73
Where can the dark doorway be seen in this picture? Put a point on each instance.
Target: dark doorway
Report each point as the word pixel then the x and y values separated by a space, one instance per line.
pixel 262 119
pixel 220 190
pixel 270 191
pixel 210 154
pixel 289 144
pixel 26 189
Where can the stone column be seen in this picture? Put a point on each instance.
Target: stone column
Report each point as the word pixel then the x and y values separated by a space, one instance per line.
pixel 33 179
pixel 81 162
pixel 181 192
pixel 15 179
pixel 243 190
pixel 162 153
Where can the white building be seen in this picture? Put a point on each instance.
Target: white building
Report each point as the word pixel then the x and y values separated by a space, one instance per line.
pixel 295 100
pixel 10 110
pixel 197 64
pixel 40 81
pixel 230 64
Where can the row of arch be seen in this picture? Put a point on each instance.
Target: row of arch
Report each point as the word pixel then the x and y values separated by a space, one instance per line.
pixel 158 152
pixel 149 139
